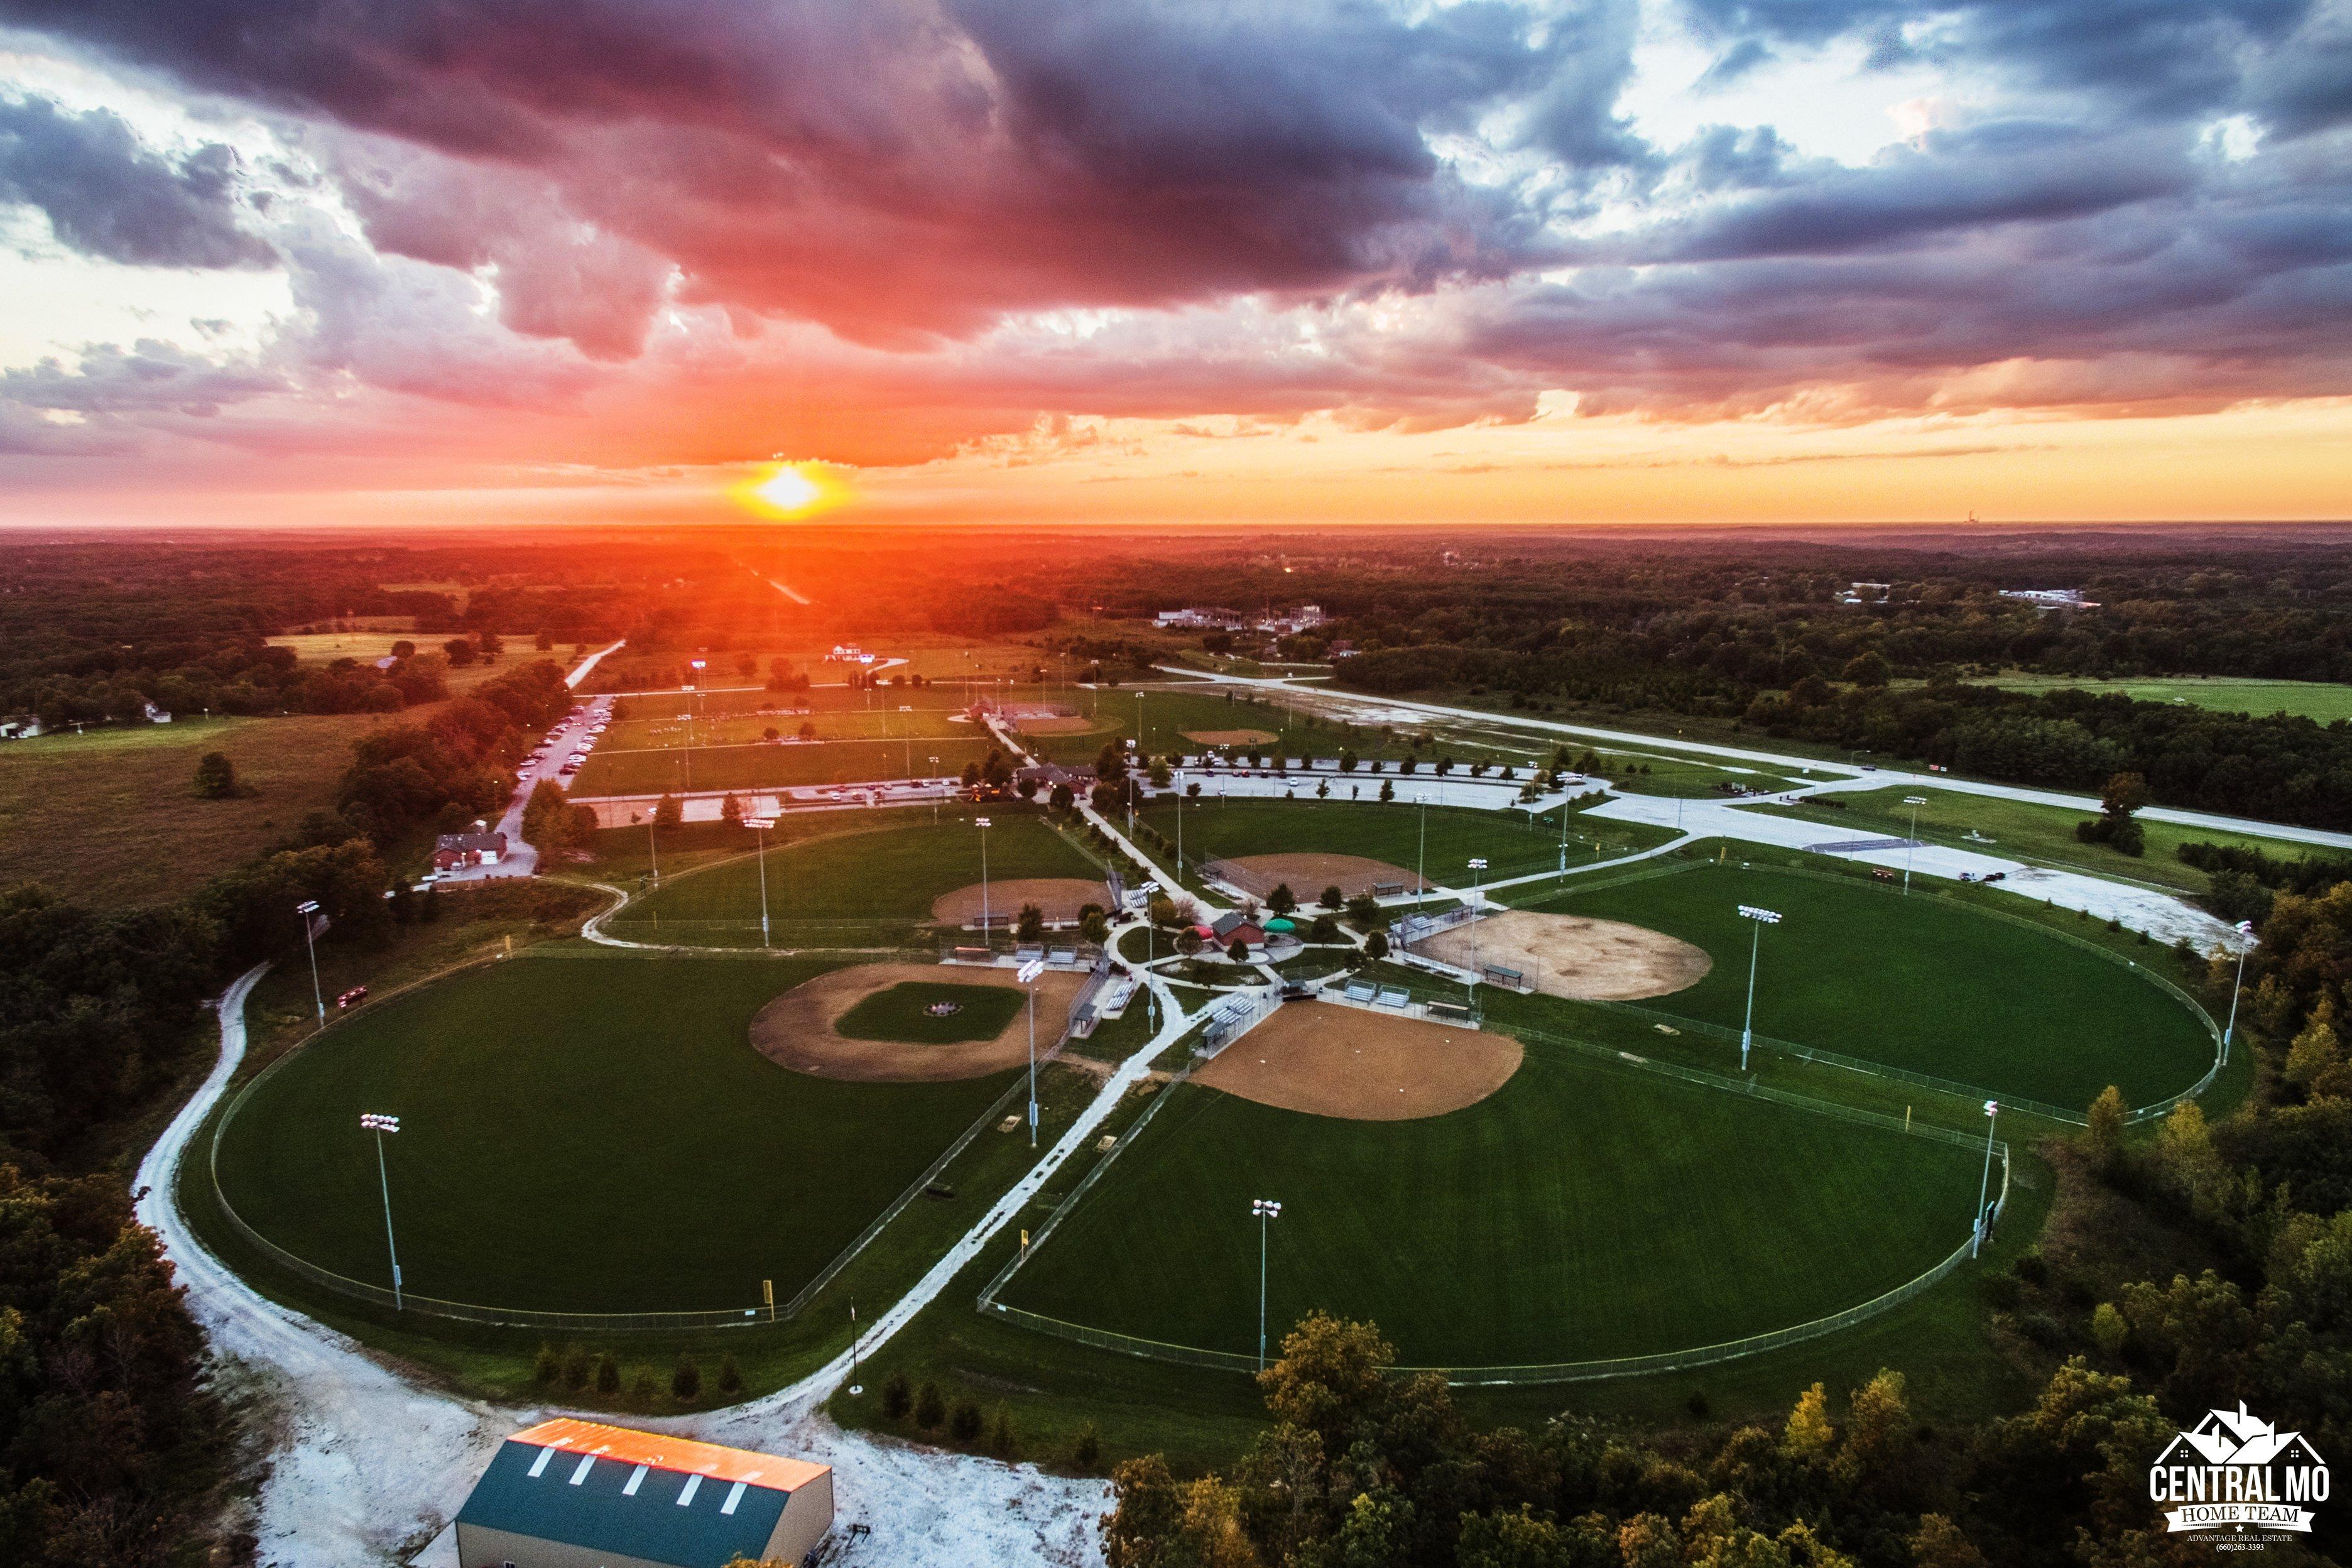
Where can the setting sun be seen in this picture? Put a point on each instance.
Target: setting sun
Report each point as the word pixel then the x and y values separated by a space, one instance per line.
pixel 791 490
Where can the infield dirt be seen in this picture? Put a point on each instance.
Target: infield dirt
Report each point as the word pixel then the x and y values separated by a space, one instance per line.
pixel 1060 899
pixel 1221 738
pixel 1570 956
pixel 1331 1060
pixel 796 1030
pixel 1309 874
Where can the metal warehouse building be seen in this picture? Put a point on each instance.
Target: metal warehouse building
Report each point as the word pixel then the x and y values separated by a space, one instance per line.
pixel 577 1494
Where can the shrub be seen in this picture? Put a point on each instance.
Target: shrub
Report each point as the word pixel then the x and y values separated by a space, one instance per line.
pixel 686 1380
pixel 896 1397
pixel 1000 1435
pixel 642 1388
pixel 608 1374
pixel 1086 1452
pixel 575 1367
pixel 730 1377
pixel 215 777
pixel 964 1424
pixel 548 1367
pixel 931 1409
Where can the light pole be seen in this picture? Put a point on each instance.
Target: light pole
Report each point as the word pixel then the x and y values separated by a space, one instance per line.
pixel 981 822
pixel 1420 857
pixel 1915 802
pixel 1763 918
pixel 935 799
pixel 1150 935
pixel 693 704
pixel 1266 1210
pixel 652 848
pixel 762 824
pixel 1477 898
pixel 1027 975
pixel 1179 827
pixel 308 909
pixel 2245 945
pixel 380 1125
pixel 1984 1183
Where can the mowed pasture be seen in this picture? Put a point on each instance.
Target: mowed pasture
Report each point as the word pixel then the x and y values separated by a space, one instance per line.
pixel 671 770
pixel 883 874
pixel 2321 702
pixel 581 1134
pixel 1582 1211
pixel 1512 843
pixel 1921 984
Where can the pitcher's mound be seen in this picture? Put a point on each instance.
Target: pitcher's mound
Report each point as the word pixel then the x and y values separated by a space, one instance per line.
pixel 796 1030
pixel 1309 874
pixel 1330 1060
pixel 1061 899
pixel 1569 955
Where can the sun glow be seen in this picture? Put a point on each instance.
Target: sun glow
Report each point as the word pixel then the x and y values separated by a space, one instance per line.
pixel 791 490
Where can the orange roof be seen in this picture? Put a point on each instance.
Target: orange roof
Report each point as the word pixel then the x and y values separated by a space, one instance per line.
pixel 666 1453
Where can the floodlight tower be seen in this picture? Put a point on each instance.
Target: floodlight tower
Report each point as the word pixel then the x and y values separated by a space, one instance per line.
pixel 762 824
pixel 1266 1210
pixel 1477 899
pixel 1763 918
pixel 380 1125
pixel 1150 934
pixel 1420 859
pixel 981 822
pixel 1984 1183
pixel 308 909
pixel 1911 844
pixel 1027 975
pixel 2245 945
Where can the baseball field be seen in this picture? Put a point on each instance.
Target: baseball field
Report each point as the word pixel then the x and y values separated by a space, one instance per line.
pixel 584 1134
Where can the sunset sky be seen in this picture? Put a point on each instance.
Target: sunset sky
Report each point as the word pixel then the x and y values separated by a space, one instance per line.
pixel 316 261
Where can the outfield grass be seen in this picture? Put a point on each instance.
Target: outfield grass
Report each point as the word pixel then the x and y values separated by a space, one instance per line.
pixel 886 874
pixel 902 1013
pixel 588 1134
pixel 762 765
pixel 2027 831
pixel 111 816
pixel 1582 1211
pixel 1920 983
pixel 1511 842
pixel 1161 722
pixel 2321 702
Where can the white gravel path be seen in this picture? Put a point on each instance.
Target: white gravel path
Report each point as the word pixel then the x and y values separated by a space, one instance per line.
pixel 370 1467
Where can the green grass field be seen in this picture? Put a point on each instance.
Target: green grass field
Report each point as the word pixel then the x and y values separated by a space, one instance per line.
pixel 903 1012
pixel 1920 983
pixel 886 874
pixel 764 766
pixel 1582 1211
pixel 2321 702
pixel 1162 718
pixel 2026 831
pixel 1511 843
pixel 582 1134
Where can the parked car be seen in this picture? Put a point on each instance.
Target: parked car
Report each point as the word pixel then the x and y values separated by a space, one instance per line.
pixel 1881 874
pixel 351 998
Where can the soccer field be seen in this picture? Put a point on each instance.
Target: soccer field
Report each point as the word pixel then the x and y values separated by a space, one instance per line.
pixel 1920 983
pixel 585 1134
pixel 884 874
pixel 1583 1211
pixel 1511 845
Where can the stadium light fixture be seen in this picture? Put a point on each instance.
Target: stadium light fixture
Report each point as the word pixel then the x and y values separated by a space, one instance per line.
pixel 1266 1210
pixel 1762 917
pixel 371 1122
pixel 1027 975
pixel 1477 900
pixel 2245 930
pixel 1984 1183
pixel 1420 861
pixel 308 909
pixel 762 824
pixel 1915 802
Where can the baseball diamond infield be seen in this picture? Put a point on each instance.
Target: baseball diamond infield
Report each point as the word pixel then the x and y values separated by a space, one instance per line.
pixel 1574 956
pixel 1330 1060
pixel 797 1029
pixel 1308 874
pixel 1060 898
pixel 1221 738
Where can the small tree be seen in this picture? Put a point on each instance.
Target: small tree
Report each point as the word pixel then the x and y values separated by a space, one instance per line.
pixel 1333 898
pixel 1387 789
pixel 668 812
pixel 215 777
pixel 2103 1128
pixel 964 1425
pixel 548 1365
pixel 1348 762
pixel 1000 1433
pixel 1062 799
pixel 730 1377
pixel 896 1397
pixel 1094 925
pixel 930 1409
pixel 730 811
pixel 1086 1452
pixel 1377 944
pixel 1282 900
pixel 1325 928
pixel 643 1390
pixel 608 1374
pixel 686 1380
pixel 1188 942
pixel 1031 925
pixel 1238 950
pixel 575 1367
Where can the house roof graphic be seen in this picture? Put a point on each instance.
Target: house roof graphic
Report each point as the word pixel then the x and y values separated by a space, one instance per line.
pixel 2236 1438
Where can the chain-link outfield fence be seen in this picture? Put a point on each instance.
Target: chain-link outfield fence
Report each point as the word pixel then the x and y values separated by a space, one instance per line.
pixel 1546 1373
pixel 1680 861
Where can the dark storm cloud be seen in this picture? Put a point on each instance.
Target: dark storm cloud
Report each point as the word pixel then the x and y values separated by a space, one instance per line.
pixel 108 195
